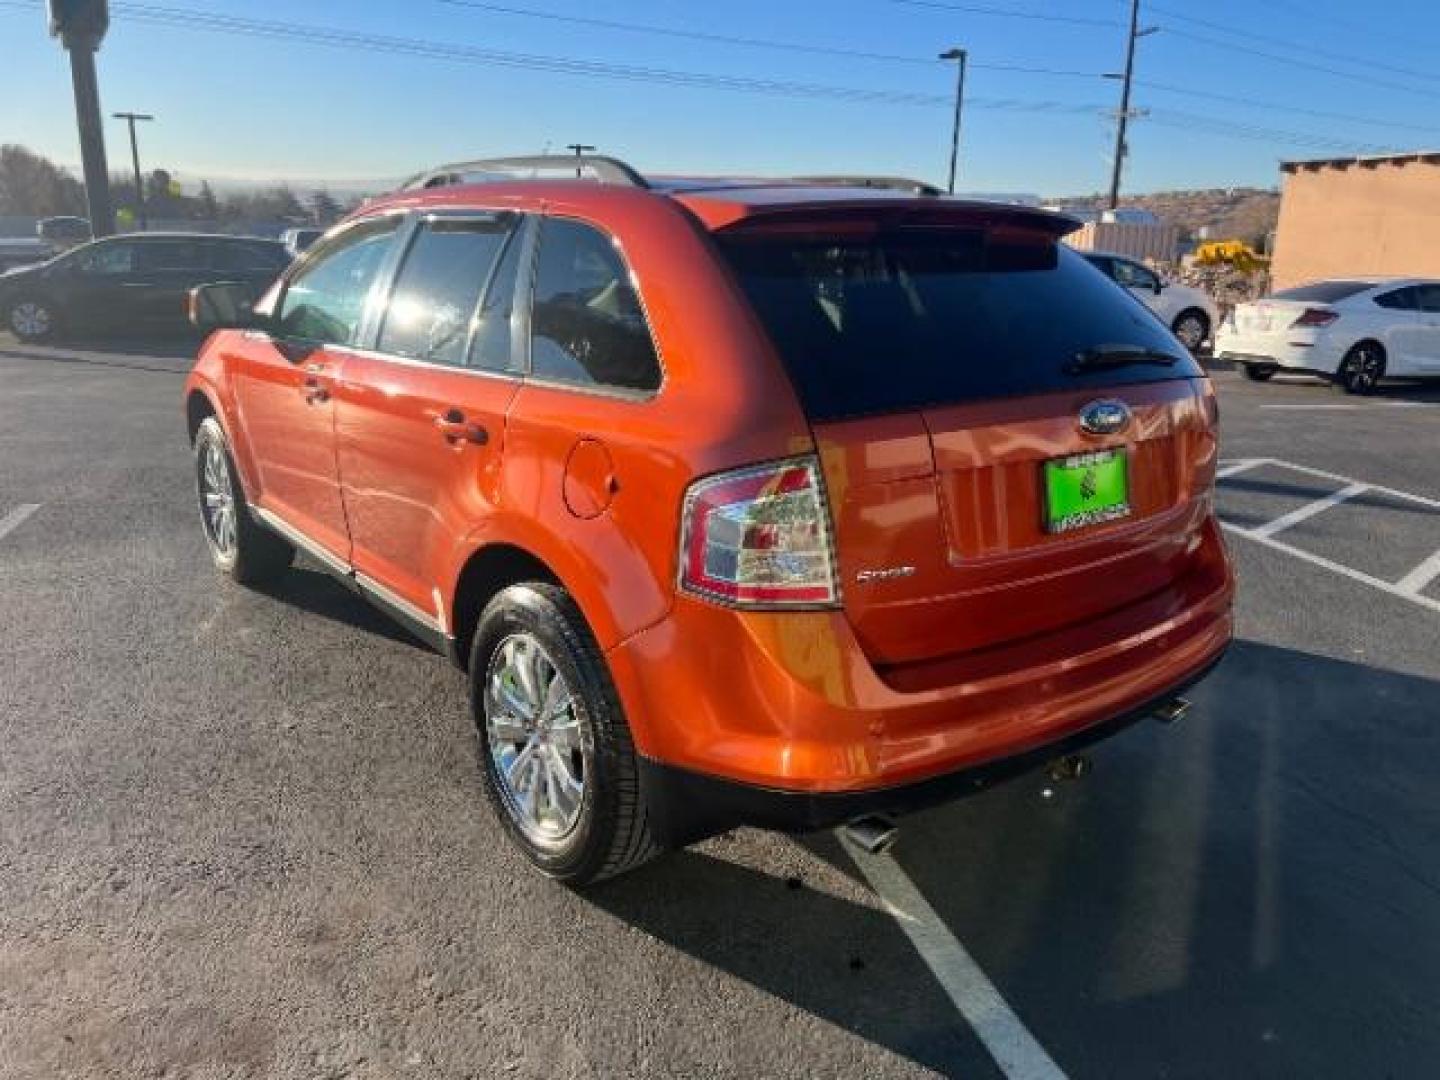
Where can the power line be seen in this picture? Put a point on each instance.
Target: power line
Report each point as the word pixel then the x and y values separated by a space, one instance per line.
pixel 992 11
pixel 1274 106
pixel 1196 122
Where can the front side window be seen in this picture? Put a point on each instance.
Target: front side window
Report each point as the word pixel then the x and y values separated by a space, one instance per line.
pixel 433 307
pixel 104 259
pixel 326 300
pixel 588 328
pixel 1134 276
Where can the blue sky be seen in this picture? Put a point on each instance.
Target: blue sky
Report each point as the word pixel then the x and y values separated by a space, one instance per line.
pixel 236 105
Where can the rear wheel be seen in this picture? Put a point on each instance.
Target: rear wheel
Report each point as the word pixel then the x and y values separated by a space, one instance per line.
pixel 559 763
pixel 32 319
pixel 1362 369
pixel 1192 327
pixel 240 546
pixel 1258 372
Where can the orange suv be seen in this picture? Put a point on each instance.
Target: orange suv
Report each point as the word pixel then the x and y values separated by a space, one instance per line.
pixel 785 503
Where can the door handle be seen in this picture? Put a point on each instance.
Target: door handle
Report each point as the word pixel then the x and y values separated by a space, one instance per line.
pixel 314 392
pixel 453 426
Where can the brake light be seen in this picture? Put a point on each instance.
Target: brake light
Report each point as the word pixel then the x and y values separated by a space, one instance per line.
pixel 760 537
pixel 1315 316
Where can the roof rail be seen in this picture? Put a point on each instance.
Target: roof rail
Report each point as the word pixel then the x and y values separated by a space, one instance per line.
pixel 888 183
pixel 607 170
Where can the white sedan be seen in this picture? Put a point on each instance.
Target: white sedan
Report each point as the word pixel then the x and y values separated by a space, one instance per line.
pixel 1355 332
pixel 1188 312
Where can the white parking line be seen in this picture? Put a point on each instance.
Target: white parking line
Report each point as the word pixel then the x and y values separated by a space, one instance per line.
pixel 1416 580
pixel 1232 468
pixel 1008 1041
pixel 1309 510
pixel 13 520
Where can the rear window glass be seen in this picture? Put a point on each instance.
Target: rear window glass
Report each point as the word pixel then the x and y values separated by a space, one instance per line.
pixel 1324 292
pixel 906 318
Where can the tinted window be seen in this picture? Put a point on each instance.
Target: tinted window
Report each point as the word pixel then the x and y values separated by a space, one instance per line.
pixel 431 311
pixel 1324 292
pixel 907 318
pixel 1429 297
pixel 108 259
pixel 1104 265
pixel 587 326
pixel 1399 299
pixel 326 300
pixel 1133 275
pixel 165 255
pixel 252 257
pixel 492 348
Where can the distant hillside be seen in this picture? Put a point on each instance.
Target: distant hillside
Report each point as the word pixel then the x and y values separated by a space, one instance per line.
pixel 1230 213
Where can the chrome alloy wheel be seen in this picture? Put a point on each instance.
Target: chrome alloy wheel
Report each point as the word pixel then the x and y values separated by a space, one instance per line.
pixel 1191 330
pixel 217 499
pixel 539 740
pixel 29 319
pixel 1363 368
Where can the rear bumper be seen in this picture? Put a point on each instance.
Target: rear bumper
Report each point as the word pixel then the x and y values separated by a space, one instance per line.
pixel 1309 353
pixel 788 704
pixel 687 806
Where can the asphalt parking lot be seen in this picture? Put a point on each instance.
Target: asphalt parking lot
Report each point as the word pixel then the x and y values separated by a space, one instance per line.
pixel 241 835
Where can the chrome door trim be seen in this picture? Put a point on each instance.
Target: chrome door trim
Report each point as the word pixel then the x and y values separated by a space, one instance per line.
pixel 300 540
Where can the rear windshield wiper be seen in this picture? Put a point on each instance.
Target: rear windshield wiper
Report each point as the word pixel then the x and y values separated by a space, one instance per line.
pixel 1102 357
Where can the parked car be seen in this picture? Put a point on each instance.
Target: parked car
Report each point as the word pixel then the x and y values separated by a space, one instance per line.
pixel 1353 332
pixel 1189 312
pixel 297 240
pixel 64 231
pixel 787 505
pixel 134 282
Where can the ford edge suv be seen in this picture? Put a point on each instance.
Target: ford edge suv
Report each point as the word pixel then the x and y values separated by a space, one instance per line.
pixel 751 502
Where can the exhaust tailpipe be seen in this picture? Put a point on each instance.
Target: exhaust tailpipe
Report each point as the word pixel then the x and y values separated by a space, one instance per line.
pixel 875 834
pixel 1173 711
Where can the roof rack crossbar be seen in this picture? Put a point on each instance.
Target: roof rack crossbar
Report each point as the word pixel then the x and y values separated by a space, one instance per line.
pixel 889 183
pixel 607 170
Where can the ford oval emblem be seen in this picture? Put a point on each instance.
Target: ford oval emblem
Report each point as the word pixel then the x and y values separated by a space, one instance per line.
pixel 1105 417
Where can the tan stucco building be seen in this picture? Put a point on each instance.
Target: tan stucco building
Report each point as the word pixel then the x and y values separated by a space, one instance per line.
pixel 1366 215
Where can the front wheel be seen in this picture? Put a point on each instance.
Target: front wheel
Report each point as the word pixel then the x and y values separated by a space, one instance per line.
pixel 240 546
pixel 32 319
pixel 1192 327
pixel 559 763
pixel 1362 369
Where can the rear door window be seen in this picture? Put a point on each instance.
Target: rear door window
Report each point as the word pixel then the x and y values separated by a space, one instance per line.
pixel 433 306
pixel 907 318
pixel 240 257
pixel 588 328
pixel 165 256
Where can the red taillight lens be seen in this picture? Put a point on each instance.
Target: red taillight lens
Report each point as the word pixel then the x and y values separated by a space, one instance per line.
pixel 1315 316
pixel 760 538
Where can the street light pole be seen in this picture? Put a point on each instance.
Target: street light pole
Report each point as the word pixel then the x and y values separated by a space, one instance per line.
pixel 130 118
pixel 961 57
pixel 581 149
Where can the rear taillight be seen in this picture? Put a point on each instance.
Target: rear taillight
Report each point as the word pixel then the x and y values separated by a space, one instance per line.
pixel 760 537
pixel 1315 316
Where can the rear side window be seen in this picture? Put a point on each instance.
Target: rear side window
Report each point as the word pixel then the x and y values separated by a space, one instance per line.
pixel 327 297
pixel 906 318
pixel 1324 292
pixel 436 294
pixel 588 328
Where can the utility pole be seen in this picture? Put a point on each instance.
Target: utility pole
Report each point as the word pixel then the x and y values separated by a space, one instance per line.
pixel 961 57
pixel 130 118
pixel 1125 115
pixel 80 25
pixel 581 149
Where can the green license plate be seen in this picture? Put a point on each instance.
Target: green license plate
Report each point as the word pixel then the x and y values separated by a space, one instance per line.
pixel 1086 489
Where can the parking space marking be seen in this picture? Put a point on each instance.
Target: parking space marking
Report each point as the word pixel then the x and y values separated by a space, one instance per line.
pixel 1309 510
pixel 13 520
pixel 1416 580
pixel 1016 1052
pixel 1232 468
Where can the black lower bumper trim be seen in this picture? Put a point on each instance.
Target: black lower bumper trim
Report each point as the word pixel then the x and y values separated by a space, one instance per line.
pixel 688 806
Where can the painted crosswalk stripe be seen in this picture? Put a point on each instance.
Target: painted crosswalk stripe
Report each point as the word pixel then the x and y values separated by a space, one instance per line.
pixel 13 520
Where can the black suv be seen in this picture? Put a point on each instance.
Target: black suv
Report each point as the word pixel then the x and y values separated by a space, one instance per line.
pixel 134 282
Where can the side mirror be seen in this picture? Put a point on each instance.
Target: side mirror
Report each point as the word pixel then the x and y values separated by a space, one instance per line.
pixel 223 306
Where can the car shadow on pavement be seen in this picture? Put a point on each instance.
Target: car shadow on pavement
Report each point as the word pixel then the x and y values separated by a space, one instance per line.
pixel 129 354
pixel 316 592
pixel 1253 892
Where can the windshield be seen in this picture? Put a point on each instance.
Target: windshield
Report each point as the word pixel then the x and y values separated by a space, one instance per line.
pixel 917 317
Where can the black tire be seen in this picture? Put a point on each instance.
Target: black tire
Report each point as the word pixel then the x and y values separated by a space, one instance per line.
pixel 248 552
pixel 1192 327
pixel 33 319
pixel 1362 369
pixel 1258 372
pixel 611 832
